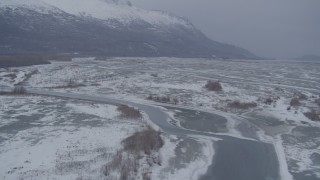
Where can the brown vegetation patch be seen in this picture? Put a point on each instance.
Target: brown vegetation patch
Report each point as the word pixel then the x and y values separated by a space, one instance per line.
pixel 312 115
pixel 11 76
pixel 27 77
pixel 163 99
pixel 268 101
pixel 69 84
pixel 145 141
pixel 65 167
pixel 242 105
pixel 129 112
pixel 302 96
pixel 154 75
pixel 17 90
pixel 125 164
pixel 213 86
pixel 126 161
pixel 295 102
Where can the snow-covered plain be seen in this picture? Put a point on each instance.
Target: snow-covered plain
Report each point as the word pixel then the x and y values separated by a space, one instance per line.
pixel 295 136
pixel 50 138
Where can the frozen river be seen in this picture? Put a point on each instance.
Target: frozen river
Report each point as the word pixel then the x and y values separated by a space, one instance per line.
pixel 235 158
pixel 268 142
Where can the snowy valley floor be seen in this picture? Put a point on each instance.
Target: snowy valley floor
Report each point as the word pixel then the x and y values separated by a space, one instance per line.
pixel 42 137
pixel 50 138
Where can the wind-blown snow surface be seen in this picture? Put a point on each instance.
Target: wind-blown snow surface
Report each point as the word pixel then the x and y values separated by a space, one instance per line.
pixel 296 138
pixel 122 11
pixel 48 138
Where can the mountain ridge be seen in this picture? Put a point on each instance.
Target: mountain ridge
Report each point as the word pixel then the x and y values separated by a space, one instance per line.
pixel 116 29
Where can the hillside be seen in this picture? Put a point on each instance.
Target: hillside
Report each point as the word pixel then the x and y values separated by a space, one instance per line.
pixel 103 27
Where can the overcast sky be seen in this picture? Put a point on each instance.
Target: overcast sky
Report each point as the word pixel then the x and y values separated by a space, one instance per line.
pixel 268 28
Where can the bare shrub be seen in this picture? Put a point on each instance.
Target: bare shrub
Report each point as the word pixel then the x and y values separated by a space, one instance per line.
pixel 123 163
pixel 242 105
pixel 163 99
pixel 317 101
pixel 312 115
pixel 124 173
pixel 150 97
pixel 295 102
pixel 113 164
pixel 27 77
pixel 268 101
pixel 278 89
pixel 175 100
pixel 129 112
pixel 18 90
pixel 72 84
pixel 12 76
pixel 69 84
pixel 146 176
pixel 213 86
pixel 126 161
pixel 65 167
pixel 145 141
pixel 302 96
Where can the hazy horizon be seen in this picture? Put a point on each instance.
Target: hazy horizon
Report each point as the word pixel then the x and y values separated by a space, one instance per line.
pixel 274 29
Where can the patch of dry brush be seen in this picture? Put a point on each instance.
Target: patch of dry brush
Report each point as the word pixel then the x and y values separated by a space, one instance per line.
pixel 129 112
pixel 300 96
pixel 312 115
pixel 17 90
pixel 145 143
pixel 242 105
pixel 122 163
pixel 69 84
pixel 163 99
pixel 268 100
pixel 213 86
pixel 317 101
pixel 27 77
pixel 295 102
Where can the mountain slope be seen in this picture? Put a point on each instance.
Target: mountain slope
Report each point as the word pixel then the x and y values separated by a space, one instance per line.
pixel 102 27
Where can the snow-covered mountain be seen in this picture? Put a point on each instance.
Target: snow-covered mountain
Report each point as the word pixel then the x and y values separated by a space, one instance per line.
pixel 103 27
